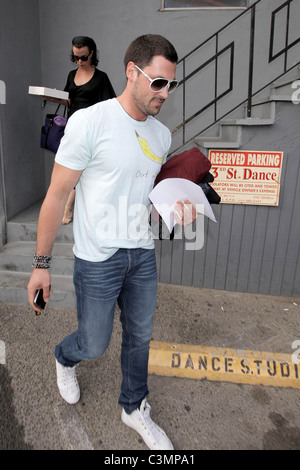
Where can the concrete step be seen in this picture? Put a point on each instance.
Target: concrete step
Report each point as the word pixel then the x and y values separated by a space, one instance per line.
pixel 284 89
pixel 27 232
pixel 230 130
pixel 229 138
pixel 17 256
pixel 263 113
pixel 13 289
pixel 280 90
pixel 23 227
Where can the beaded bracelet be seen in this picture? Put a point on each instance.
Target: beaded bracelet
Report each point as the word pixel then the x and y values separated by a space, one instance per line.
pixel 41 261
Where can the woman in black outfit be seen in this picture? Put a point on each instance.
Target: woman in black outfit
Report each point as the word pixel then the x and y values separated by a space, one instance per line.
pixel 86 85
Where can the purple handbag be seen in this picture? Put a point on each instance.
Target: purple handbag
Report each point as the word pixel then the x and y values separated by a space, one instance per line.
pixel 53 131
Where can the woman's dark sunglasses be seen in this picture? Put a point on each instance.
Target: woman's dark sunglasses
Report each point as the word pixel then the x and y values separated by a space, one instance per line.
pixel 76 58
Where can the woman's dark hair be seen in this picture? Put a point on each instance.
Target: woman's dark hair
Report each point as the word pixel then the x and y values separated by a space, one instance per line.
pixel 142 50
pixel 82 41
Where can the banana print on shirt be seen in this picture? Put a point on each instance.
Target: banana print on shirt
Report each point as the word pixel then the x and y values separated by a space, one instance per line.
pixel 147 150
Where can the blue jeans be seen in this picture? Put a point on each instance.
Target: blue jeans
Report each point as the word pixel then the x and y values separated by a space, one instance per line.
pixel 129 278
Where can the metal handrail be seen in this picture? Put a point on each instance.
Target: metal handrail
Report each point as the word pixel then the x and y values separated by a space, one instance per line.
pixel 231 47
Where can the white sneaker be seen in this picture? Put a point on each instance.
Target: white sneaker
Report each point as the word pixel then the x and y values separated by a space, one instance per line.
pixel 153 435
pixel 67 383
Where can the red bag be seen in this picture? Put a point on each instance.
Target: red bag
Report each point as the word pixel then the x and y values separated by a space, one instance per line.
pixel 191 164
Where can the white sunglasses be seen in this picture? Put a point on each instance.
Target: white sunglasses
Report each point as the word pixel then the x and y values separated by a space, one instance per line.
pixel 159 84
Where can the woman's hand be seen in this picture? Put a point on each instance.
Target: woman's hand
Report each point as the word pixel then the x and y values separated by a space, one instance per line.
pixel 57 100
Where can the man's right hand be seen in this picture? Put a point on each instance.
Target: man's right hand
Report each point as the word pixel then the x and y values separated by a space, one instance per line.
pixel 40 279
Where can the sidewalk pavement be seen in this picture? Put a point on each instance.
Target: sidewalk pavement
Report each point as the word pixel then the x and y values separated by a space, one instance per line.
pixel 196 414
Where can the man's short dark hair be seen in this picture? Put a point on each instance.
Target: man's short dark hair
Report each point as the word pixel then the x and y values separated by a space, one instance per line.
pixel 142 50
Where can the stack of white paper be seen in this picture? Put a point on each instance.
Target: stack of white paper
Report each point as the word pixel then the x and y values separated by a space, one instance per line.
pixel 170 190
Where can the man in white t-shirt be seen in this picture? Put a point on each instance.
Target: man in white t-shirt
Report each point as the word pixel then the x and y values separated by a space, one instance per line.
pixel 113 152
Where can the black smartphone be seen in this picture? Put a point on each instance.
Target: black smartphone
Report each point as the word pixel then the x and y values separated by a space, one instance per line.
pixel 39 299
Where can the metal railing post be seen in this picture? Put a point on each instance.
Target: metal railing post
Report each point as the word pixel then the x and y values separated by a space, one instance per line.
pixel 183 104
pixel 251 60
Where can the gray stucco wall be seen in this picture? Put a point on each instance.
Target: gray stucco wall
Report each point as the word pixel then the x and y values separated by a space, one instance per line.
pixel 23 167
pixel 114 24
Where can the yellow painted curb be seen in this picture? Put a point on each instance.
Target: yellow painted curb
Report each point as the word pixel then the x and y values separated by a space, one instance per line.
pixel 223 364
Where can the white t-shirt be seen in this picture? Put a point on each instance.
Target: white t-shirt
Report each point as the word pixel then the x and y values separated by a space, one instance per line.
pixel 120 159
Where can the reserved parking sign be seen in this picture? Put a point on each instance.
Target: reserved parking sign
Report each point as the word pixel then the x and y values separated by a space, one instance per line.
pixel 247 177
